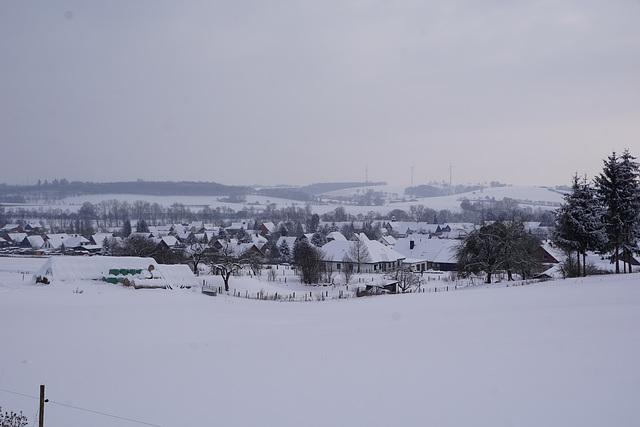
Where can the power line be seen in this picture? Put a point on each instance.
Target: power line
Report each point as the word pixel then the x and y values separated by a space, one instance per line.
pixel 84 409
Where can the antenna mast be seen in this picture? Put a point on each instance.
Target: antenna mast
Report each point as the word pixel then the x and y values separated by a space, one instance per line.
pixel 412 166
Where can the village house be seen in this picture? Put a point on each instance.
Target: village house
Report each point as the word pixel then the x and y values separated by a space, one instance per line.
pixel 33 227
pixel 32 242
pixel 404 228
pixel 267 228
pixel 12 228
pixel 380 258
pixel 425 253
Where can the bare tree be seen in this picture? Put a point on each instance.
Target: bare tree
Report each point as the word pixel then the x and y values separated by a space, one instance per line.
pixel 358 254
pixel 347 268
pixel 137 245
pixel 225 262
pixel 253 260
pixel 407 279
pixel 197 253
pixel 328 271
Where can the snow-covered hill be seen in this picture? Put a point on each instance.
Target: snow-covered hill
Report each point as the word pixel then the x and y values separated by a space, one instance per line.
pixel 554 353
pixel 535 197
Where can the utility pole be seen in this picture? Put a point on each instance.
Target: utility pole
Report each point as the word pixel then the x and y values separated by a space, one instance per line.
pixel 41 416
pixel 412 174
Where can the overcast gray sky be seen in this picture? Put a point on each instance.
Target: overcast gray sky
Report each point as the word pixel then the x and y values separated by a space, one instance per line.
pixel 295 92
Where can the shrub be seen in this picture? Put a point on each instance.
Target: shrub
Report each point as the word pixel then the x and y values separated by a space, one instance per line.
pixel 42 279
pixel 12 419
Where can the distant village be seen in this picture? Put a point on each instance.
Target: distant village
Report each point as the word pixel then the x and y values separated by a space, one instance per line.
pixel 382 245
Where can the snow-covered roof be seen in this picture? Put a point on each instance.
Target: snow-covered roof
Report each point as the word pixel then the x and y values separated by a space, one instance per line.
pixel 65 268
pixel 160 229
pixel 462 226
pixel 17 237
pixel 404 227
pixel 388 240
pixel 55 240
pixel 179 228
pixel 236 247
pixel 99 238
pixel 183 235
pixel 170 241
pixel 336 235
pixel 359 236
pixel 357 225
pixel 36 242
pixel 269 226
pixel 424 248
pixel 75 241
pixel 10 227
pixel 336 251
pixel 259 240
pixel 146 235
pixel 237 225
pixel 553 250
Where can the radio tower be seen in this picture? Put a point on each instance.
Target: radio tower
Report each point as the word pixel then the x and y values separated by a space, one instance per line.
pixel 412 166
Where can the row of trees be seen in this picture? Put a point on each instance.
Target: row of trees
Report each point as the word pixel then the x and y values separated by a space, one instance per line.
pixel 602 216
pixel 113 213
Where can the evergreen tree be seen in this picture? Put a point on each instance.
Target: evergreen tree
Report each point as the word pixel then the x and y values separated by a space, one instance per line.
pixel 630 172
pixel 126 228
pixel 106 246
pixel 312 223
pixel 578 222
pixel 618 190
pixel 222 233
pixel 298 229
pixel 285 251
pixel 242 236
pixel 142 227
pixel 308 260
pixel 318 239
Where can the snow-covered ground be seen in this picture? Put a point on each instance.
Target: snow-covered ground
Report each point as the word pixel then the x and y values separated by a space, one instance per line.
pixel 557 353
pixel 529 196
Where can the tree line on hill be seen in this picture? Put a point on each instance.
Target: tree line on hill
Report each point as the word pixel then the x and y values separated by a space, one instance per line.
pixel 61 188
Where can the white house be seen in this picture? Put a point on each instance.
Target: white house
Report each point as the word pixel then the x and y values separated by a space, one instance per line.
pixel 423 253
pixel 381 258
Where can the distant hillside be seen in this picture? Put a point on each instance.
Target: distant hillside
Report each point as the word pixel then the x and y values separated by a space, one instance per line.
pixel 63 188
pixel 326 187
pixel 428 190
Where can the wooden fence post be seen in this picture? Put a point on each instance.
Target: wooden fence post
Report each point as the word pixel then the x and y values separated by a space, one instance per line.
pixel 41 415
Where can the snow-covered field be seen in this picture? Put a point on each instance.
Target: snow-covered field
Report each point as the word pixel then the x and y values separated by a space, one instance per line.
pixel 530 196
pixel 560 353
